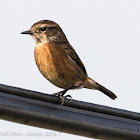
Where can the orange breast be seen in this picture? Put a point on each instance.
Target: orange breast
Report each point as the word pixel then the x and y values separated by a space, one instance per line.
pixel 55 66
pixel 45 62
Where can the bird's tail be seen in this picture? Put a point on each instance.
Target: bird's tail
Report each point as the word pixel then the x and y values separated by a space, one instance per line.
pixel 91 84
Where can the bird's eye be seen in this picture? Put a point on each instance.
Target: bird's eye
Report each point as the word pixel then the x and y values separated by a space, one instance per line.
pixel 42 29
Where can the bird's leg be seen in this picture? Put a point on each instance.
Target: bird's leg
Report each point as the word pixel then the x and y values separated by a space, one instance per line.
pixel 61 94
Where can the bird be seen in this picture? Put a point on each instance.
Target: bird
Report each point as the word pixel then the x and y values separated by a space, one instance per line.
pixel 57 60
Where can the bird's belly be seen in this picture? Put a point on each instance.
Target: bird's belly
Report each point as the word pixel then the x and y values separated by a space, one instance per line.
pixel 55 67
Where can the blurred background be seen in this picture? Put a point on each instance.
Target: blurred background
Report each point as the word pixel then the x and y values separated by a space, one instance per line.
pixel 106 36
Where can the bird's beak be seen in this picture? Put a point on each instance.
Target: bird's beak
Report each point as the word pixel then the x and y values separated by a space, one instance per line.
pixel 27 32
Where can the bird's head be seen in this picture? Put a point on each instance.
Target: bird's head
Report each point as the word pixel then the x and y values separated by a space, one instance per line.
pixel 46 31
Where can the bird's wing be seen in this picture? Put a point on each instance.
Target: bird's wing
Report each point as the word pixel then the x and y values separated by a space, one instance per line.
pixel 74 57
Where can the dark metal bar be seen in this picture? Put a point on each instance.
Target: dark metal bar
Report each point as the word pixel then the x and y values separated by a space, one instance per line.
pixel 74 117
pixel 75 104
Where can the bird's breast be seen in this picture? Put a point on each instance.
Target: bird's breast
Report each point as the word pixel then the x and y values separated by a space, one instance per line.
pixel 55 65
pixel 45 60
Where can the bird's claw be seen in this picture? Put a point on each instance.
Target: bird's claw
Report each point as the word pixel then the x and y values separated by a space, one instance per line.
pixel 62 97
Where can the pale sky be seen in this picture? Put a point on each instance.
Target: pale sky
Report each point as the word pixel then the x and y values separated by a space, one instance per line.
pixel 104 33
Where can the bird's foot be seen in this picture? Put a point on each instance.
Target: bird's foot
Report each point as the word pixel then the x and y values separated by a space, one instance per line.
pixel 62 97
pixel 65 97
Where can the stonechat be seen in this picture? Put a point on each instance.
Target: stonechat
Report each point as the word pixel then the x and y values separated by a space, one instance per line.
pixel 57 60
